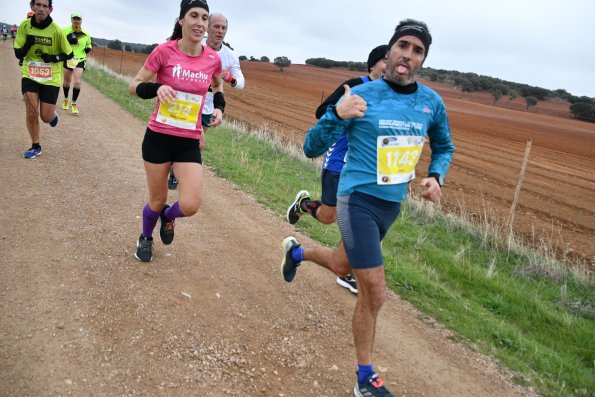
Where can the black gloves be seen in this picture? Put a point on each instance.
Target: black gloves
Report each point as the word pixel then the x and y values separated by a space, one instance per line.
pixel 50 58
pixel 72 39
pixel 29 41
pixel 87 50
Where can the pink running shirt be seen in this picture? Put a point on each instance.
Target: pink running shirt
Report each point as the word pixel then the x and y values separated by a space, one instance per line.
pixel 191 77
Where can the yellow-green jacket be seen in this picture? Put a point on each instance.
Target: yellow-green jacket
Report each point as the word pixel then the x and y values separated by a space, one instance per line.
pixel 84 45
pixel 47 38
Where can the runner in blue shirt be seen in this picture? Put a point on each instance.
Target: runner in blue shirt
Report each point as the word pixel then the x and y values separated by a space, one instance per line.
pixel 387 122
pixel 325 209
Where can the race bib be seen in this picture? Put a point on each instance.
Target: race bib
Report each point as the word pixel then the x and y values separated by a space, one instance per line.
pixel 40 71
pixel 183 112
pixel 397 157
pixel 72 63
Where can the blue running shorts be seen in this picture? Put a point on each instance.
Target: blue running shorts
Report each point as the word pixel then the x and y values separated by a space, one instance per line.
pixel 330 183
pixel 363 221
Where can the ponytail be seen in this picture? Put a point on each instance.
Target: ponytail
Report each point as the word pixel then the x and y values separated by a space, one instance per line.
pixel 177 33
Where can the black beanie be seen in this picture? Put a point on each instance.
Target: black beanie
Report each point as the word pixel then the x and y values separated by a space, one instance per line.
pixel 412 29
pixel 185 5
pixel 376 54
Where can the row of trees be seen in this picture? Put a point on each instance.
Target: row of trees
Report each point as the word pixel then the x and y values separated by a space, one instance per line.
pixel 281 62
pixel 263 58
pixel 128 47
pixel 329 63
pixel 581 107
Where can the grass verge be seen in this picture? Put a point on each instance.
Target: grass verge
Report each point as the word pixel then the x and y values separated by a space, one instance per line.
pixel 527 310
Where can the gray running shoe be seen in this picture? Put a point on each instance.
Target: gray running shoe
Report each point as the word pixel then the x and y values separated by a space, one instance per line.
pixel 295 209
pixel 144 249
pixel 172 181
pixel 288 265
pixel 166 231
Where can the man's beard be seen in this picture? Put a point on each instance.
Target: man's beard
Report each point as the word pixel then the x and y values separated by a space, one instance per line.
pixel 400 80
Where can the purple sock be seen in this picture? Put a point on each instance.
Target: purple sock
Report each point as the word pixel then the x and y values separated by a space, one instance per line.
pixel 150 218
pixel 174 212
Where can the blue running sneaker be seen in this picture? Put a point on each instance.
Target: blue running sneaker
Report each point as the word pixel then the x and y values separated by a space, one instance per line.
pixel 288 265
pixel 373 386
pixel 54 121
pixel 32 152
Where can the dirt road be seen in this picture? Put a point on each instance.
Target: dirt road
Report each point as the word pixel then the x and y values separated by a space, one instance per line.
pixel 210 316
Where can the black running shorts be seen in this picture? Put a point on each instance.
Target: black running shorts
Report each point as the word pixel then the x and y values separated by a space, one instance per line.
pixel 47 93
pixel 161 148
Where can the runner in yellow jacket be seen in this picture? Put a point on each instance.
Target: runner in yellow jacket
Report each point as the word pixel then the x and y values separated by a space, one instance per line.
pixel 81 43
pixel 41 47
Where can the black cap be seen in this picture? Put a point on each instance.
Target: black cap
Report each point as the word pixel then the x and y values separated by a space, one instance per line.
pixel 411 28
pixel 376 54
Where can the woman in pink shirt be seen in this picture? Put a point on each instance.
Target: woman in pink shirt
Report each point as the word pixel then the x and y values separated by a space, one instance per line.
pixel 184 70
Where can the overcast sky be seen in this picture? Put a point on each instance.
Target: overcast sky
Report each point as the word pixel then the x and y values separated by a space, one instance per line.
pixel 545 43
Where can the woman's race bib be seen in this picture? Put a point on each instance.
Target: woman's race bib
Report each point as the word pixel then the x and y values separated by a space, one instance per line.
pixel 40 71
pixel 397 157
pixel 182 112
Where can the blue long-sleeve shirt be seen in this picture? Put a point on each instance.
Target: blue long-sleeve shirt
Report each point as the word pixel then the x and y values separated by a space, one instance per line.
pixel 389 113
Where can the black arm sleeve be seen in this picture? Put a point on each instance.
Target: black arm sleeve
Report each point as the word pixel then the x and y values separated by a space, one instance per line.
pixel 56 58
pixel 64 57
pixel 147 90
pixel 219 101
pixel 20 53
pixel 333 98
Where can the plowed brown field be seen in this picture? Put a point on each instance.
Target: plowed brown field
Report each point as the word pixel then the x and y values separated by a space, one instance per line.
pixel 557 201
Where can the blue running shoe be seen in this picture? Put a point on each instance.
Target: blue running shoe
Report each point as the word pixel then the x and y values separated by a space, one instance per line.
pixel 32 153
pixel 288 265
pixel 54 121
pixel 372 386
